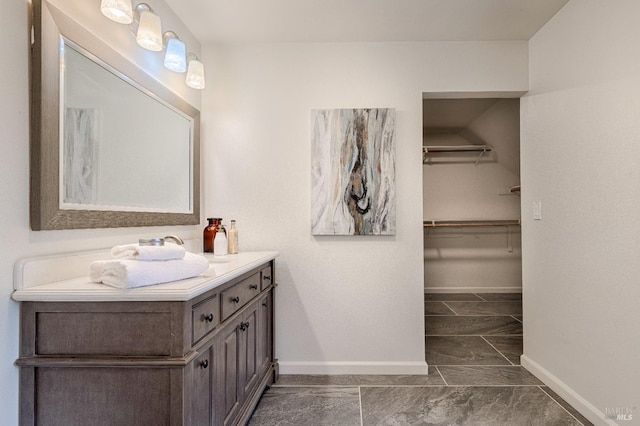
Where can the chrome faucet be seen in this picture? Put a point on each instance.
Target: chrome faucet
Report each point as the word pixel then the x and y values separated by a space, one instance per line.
pixel 175 238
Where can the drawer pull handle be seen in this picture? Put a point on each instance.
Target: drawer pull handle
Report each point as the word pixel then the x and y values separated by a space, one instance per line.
pixel 244 326
pixel 267 277
pixel 209 318
pixel 235 299
pixel 204 364
pixel 265 304
pixel 253 287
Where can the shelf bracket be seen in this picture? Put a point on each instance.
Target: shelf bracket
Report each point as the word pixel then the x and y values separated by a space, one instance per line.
pixel 509 240
pixel 484 149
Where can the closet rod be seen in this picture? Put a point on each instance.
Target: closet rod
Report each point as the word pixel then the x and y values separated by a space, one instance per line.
pixel 464 223
pixel 457 148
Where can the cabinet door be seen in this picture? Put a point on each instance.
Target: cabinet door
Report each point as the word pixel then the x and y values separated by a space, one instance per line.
pixel 202 396
pixel 228 372
pixel 248 347
pixel 264 333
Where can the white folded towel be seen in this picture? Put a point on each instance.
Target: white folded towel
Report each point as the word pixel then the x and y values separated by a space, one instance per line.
pixel 138 252
pixel 130 273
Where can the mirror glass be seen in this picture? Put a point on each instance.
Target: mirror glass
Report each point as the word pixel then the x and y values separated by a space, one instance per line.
pixel 123 148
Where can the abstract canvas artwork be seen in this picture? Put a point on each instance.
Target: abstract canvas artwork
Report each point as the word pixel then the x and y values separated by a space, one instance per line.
pixel 353 171
pixel 80 154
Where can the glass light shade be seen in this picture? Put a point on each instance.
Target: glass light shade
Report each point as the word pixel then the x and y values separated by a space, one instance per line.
pixel 195 74
pixel 117 10
pixel 149 33
pixel 175 58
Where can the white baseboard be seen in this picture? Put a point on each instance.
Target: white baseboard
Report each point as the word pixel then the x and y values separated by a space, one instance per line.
pixel 473 289
pixel 574 399
pixel 351 367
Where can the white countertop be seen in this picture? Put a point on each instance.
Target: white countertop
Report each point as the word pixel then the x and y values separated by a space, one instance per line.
pixel 31 283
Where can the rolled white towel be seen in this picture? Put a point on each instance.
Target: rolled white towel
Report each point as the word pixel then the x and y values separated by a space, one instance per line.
pixel 130 273
pixel 138 252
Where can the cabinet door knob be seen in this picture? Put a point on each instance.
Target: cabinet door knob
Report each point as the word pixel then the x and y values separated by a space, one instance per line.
pixel 244 326
pixel 209 318
pixel 204 364
pixel 235 299
pixel 253 287
pixel 265 304
pixel 267 277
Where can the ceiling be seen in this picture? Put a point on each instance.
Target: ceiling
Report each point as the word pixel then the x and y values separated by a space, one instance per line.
pixel 452 115
pixel 239 21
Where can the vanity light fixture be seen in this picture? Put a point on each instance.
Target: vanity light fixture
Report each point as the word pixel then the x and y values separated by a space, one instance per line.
pixel 147 28
pixel 195 72
pixel 175 57
pixel 117 10
pixel 149 34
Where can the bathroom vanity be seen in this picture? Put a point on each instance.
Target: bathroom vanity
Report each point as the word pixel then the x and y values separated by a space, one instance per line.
pixel 193 352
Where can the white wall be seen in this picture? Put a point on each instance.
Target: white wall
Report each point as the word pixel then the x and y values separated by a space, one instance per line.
pixel 17 239
pixel 477 260
pixel 580 158
pixel 344 304
pixel 499 127
pixel 455 188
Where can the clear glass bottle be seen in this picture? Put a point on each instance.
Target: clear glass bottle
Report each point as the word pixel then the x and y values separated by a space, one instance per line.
pixel 208 235
pixel 233 238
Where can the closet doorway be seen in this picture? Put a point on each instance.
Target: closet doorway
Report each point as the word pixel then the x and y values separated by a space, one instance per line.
pixel 471 193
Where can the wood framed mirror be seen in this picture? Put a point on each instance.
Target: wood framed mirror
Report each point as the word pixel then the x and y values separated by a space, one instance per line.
pixel 110 145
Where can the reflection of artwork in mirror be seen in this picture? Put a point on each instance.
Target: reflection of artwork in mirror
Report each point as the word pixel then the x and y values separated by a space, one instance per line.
pixel 80 156
pixel 123 148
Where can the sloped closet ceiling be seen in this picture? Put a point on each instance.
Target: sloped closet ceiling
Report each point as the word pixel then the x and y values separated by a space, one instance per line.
pixel 479 121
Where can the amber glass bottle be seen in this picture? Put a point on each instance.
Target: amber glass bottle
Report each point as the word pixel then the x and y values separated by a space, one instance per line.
pixel 208 235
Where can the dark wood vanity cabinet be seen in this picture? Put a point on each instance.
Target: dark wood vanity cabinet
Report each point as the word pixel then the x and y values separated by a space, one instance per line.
pixel 202 391
pixel 200 362
pixel 243 357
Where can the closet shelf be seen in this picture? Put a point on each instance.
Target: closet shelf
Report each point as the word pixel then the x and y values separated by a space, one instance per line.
pixel 443 149
pixel 456 148
pixel 466 223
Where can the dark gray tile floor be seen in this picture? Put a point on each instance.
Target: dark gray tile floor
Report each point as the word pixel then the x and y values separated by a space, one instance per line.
pixel 509 346
pixel 320 405
pixel 476 325
pixel 462 405
pixel 462 350
pixel 473 348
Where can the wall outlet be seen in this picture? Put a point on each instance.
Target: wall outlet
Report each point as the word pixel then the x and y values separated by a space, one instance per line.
pixel 537 210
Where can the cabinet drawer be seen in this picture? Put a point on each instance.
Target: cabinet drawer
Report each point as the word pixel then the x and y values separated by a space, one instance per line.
pixel 238 295
pixel 205 316
pixel 266 277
